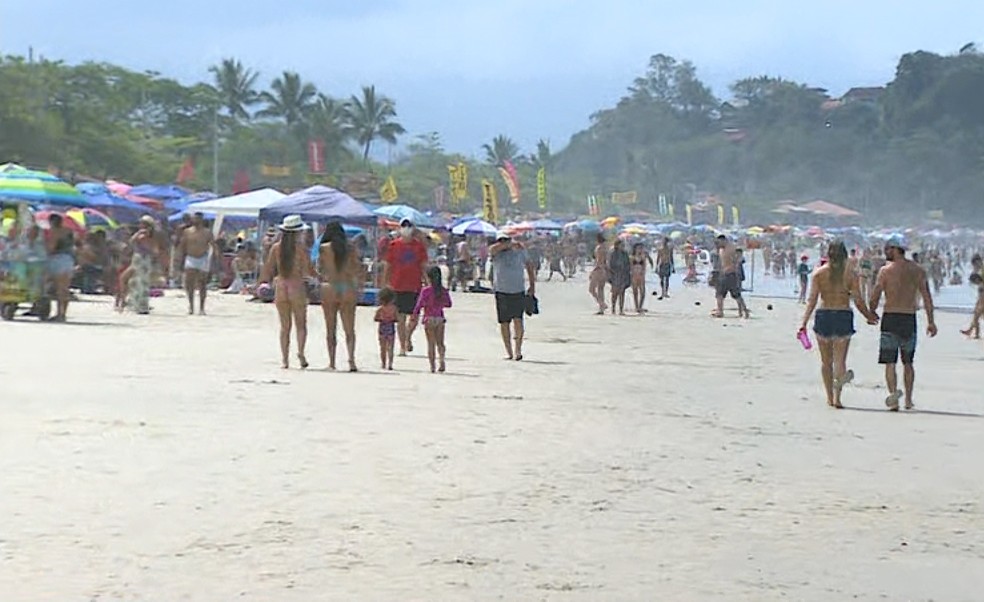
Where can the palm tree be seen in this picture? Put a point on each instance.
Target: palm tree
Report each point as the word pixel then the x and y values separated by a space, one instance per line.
pixel 236 87
pixel 328 121
pixel 290 99
pixel 371 117
pixel 541 158
pixel 501 150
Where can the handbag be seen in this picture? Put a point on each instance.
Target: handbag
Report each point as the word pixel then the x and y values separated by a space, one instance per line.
pixel 532 305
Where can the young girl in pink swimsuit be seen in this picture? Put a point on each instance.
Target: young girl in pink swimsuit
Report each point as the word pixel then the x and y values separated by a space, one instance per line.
pixel 432 301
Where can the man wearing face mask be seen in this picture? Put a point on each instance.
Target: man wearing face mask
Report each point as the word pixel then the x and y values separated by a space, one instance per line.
pixel 406 260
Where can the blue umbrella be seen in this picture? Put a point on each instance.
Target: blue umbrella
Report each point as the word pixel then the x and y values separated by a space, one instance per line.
pixel 115 206
pixel 547 225
pixel 27 185
pixel 401 212
pixel 588 225
pixel 161 192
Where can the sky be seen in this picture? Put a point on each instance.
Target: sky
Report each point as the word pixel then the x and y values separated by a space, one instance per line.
pixel 528 69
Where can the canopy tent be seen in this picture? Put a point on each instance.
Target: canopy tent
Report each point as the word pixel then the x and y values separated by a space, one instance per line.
pixel 319 204
pixel 18 183
pixel 246 204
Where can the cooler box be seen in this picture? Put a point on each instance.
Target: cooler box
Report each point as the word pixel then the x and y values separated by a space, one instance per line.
pixel 369 297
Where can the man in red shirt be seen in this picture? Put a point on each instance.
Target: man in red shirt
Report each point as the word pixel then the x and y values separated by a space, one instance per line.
pixel 406 259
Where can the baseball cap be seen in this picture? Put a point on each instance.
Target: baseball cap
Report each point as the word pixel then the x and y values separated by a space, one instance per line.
pixel 406 223
pixel 502 235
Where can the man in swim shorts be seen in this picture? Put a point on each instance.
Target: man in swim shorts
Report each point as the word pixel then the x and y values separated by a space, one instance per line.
pixel 729 282
pixel 406 258
pixel 512 265
pixel 902 281
pixel 195 251
pixel 664 267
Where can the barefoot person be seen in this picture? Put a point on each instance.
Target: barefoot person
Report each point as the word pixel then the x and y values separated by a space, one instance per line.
pixel 664 267
pixel 134 282
pixel 976 275
pixel 834 286
pixel 60 245
pixel 195 253
pixel 385 317
pixel 729 281
pixel 599 274
pixel 511 267
pixel 640 261
pixel 619 275
pixel 406 257
pixel 341 273
pixel 289 266
pixel 432 301
pixel 901 281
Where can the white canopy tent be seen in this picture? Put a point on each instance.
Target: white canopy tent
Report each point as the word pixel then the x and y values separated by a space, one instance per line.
pixel 245 204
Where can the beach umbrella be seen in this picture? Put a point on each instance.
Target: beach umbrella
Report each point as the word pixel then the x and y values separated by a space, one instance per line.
pixel 399 213
pixel 160 192
pixel 92 219
pixel 99 197
pixel 610 222
pixel 42 219
pixel 474 227
pixel 588 225
pixel 18 183
pixel 547 225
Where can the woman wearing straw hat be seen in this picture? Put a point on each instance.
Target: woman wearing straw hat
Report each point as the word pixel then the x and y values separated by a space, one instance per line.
pixel 289 266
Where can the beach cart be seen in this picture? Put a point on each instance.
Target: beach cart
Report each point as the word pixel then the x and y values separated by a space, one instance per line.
pixel 24 282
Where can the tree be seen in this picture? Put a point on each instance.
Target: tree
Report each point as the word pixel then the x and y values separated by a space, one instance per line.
pixel 501 149
pixel 236 86
pixel 541 158
pixel 372 117
pixel 290 98
pixel 328 122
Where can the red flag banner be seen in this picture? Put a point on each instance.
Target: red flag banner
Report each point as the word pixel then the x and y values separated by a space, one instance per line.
pixel 316 156
pixel 187 171
pixel 240 182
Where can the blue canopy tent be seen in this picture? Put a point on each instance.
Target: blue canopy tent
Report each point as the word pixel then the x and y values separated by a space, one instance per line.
pixel 319 204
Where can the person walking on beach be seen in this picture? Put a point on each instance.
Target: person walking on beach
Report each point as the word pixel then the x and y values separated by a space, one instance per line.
pixel 60 245
pixel 289 265
pixel 511 265
pixel 901 281
pixel 405 261
pixel 619 275
pixel 640 261
pixel 664 267
pixel 803 272
pixel 195 253
pixel 976 277
pixel 432 301
pixel 342 280
pixel 834 286
pixel 386 316
pixel 729 283
pixel 134 284
pixel 599 274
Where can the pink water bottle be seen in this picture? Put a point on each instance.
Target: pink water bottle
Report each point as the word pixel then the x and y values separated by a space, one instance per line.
pixel 804 339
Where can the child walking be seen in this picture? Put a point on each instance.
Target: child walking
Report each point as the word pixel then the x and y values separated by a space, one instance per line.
pixel 386 318
pixel 432 301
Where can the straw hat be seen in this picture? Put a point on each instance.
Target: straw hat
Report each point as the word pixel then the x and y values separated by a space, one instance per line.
pixel 292 223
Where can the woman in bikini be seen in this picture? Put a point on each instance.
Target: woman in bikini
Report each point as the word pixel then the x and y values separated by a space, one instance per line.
pixel 291 265
pixel 599 275
pixel 640 261
pixel 834 285
pixel 342 280
pixel 619 275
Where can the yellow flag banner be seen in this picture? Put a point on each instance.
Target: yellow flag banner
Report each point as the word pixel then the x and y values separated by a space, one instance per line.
pixel 720 215
pixel 458 176
pixel 624 198
pixel 511 184
pixel 690 215
pixel 541 187
pixel 275 171
pixel 490 202
pixel 734 215
pixel 388 193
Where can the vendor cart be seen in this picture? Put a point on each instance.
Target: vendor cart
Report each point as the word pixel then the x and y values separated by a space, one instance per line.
pixel 24 282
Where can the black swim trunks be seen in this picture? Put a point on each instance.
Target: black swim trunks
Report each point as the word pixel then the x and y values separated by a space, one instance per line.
pixel 729 284
pixel 898 338
pixel 834 323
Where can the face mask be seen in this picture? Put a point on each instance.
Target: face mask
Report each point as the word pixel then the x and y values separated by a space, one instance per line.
pixel 406 232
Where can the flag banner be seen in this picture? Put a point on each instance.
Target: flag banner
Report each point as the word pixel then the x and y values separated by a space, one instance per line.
pixel 275 171
pixel 440 196
pixel 624 198
pixel 458 177
pixel 734 215
pixel 720 215
pixel 316 156
pixel 240 182
pixel 541 187
pixel 670 210
pixel 388 193
pixel 187 171
pixel 593 207
pixel 490 202
pixel 690 215
pixel 663 209
pixel 512 184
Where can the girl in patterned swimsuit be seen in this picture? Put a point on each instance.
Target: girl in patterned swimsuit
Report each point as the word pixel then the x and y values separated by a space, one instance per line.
pixel 432 301
pixel 386 318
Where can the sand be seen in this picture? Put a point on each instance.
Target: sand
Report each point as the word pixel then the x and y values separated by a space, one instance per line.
pixel 667 457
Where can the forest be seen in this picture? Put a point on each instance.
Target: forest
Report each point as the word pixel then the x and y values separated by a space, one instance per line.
pixel 897 152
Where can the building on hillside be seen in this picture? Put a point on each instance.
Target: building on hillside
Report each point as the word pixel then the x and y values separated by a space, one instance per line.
pixel 868 95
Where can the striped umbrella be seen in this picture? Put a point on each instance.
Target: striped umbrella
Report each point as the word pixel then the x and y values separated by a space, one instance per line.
pixel 43 219
pixel 21 184
pixel 92 219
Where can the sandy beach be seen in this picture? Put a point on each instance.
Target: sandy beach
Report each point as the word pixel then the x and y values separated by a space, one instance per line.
pixel 665 457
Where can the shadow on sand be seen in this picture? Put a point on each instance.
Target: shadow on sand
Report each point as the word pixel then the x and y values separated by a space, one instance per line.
pixel 916 411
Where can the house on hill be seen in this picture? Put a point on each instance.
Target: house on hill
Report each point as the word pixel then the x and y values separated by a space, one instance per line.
pixel 869 95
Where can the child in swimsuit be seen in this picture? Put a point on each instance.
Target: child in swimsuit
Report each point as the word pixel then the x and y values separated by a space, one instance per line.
pixel 432 301
pixel 386 318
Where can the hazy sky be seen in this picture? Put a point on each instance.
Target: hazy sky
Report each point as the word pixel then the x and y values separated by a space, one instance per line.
pixel 471 70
